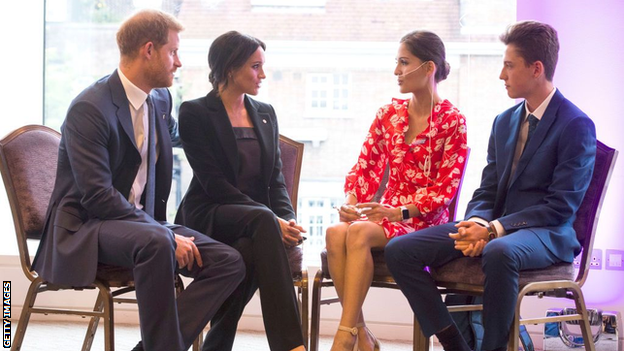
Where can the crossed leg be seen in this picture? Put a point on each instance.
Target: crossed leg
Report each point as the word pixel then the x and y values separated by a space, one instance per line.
pixel 351 267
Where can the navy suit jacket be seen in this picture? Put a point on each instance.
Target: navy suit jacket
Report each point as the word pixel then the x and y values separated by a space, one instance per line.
pixel 97 164
pixel 210 146
pixel 550 180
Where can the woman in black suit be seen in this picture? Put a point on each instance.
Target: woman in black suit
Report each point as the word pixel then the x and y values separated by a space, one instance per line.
pixel 237 194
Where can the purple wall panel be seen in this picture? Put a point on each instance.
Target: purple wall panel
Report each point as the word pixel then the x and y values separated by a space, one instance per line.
pixel 590 72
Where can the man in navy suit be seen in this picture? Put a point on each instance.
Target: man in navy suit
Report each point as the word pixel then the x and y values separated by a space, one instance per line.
pixel 112 184
pixel 521 215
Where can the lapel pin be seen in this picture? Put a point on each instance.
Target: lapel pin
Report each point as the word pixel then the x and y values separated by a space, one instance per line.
pixel 163 116
pixel 264 121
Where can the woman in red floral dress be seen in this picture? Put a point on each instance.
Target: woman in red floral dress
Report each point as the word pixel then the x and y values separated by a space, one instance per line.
pixel 423 142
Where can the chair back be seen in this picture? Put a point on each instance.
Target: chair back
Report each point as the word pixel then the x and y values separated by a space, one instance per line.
pixel 28 165
pixel 292 157
pixel 452 205
pixel 587 215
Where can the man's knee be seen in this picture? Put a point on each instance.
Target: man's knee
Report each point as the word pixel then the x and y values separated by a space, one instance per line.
pixel 497 254
pixel 230 256
pixel 156 240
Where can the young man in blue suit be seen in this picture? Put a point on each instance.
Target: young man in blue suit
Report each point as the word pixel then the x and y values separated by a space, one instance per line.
pixel 112 184
pixel 539 164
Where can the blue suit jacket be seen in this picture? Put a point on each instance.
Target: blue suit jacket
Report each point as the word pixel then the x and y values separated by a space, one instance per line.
pixel 97 164
pixel 551 177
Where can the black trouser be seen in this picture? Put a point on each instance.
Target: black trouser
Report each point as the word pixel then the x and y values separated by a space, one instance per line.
pixel 255 233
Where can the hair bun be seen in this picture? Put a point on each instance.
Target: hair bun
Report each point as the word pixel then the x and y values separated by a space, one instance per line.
pixel 447 70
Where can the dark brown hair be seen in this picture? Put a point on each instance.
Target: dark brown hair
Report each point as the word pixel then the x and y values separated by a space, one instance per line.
pixel 228 53
pixel 534 41
pixel 143 27
pixel 428 46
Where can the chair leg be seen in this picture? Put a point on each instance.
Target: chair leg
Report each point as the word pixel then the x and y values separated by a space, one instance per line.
pixel 304 307
pixel 514 333
pixel 29 302
pixel 93 324
pixel 421 342
pixel 316 310
pixel 581 309
pixel 109 317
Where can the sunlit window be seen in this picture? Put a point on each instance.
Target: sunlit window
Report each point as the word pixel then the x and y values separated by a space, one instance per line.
pixel 329 66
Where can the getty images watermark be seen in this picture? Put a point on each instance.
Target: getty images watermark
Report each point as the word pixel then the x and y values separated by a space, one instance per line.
pixel 6 314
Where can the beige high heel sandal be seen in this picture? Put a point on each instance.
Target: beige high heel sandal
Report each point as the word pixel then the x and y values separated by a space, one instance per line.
pixel 354 332
pixel 377 345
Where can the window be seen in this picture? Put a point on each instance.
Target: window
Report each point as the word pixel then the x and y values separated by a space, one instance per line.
pixel 328 95
pixel 329 67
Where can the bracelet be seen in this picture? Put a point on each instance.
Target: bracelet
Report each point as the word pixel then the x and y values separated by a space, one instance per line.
pixel 492 233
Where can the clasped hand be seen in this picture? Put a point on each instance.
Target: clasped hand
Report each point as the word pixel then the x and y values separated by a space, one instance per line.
pixel 470 238
pixel 291 232
pixel 373 211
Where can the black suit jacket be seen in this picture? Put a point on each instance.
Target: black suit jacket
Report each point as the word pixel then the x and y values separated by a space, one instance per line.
pixel 210 146
pixel 97 164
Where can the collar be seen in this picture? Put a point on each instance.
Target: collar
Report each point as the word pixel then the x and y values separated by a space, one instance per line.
pixel 539 111
pixel 135 95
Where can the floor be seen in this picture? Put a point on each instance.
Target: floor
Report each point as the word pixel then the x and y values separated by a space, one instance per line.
pixel 68 336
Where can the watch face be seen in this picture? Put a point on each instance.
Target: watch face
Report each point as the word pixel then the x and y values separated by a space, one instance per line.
pixel 405 213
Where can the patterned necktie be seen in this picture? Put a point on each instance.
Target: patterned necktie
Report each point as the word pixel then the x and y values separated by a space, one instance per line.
pixel 533 121
pixel 150 186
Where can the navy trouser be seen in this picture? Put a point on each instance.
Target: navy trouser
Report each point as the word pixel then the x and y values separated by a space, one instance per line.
pixel 168 324
pixel 502 260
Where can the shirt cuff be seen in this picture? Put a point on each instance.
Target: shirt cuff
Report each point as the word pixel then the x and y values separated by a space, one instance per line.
pixel 479 221
pixel 500 231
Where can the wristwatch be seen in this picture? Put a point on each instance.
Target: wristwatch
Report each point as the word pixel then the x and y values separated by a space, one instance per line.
pixel 491 229
pixel 405 213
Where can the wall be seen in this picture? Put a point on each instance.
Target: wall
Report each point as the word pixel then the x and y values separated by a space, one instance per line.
pixel 589 73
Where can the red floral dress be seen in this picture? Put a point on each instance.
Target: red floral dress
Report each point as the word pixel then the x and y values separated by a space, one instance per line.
pixel 425 173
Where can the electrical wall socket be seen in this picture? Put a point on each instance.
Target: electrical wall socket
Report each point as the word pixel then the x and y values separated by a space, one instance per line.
pixel 595 260
pixel 614 260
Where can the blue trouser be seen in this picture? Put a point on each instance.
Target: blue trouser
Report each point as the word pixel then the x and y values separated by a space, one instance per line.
pixel 502 260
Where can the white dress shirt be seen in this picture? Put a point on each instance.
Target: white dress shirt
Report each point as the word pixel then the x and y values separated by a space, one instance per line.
pixel 139 113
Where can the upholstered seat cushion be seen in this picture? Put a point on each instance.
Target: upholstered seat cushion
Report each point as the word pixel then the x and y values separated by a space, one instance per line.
pixel 115 276
pixel 467 270
pixel 381 271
